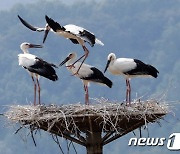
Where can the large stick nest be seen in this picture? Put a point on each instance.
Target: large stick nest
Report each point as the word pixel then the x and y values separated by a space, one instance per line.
pixel 100 116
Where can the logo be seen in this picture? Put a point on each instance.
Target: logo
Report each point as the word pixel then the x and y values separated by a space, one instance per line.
pixel 173 143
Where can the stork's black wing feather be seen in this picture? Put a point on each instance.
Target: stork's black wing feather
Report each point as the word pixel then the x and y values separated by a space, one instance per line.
pixel 98 76
pixel 54 25
pixel 44 69
pixel 143 69
pixel 51 64
pixel 89 36
pixel 27 24
pixel 74 41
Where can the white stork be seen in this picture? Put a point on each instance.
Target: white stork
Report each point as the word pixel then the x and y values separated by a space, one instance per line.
pixel 36 66
pixel 86 73
pixel 129 68
pixel 76 34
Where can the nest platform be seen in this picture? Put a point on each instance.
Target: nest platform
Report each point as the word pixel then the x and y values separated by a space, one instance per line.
pixel 92 126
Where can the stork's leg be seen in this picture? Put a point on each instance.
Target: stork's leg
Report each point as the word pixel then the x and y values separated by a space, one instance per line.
pixel 129 87
pixel 72 65
pixel 85 56
pixel 85 49
pixel 78 59
pixel 126 91
pixel 39 90
pixel 86 95
pixel 34 89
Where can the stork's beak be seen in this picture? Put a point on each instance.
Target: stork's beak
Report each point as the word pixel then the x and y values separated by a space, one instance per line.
pixel 63 62
pixel 107 65
pixel 47 29
pixel 35 46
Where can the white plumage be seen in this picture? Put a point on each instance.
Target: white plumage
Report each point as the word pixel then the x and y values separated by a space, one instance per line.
pixel 36 66
pixel 78 32
pixel 121 65
pixel 129 68
pixel 87 74
pixel 26 60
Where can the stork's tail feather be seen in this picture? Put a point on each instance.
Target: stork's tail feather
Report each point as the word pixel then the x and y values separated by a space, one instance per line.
pixel 99 42
pixel 152 71
pixel 53 77
pixel 50 74
pixel 107 82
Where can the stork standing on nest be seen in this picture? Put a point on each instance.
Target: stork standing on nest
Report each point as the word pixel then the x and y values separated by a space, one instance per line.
pixel 78 35
pixel 36 66
pixel 86 73
pixel 130 68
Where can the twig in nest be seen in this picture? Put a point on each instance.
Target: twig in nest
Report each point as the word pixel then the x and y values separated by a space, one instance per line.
pixel 140 133
pixel 57 142
pixel 67 146
pixel 158 122
pixel 33 138
pixel 74 148
pixel 147 130
pixel 32 135
pixel 133 133
pixel 18 130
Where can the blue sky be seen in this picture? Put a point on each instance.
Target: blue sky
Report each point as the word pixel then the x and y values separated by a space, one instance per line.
pixel 7 4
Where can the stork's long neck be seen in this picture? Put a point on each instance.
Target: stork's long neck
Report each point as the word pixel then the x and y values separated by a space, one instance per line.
pixel 70 62
pixel 25 51
pixel 111 63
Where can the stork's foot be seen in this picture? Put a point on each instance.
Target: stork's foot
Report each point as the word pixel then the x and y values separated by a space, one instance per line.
pixel 71 66
pixel 87 103
pixel 75 73
pixel 128 103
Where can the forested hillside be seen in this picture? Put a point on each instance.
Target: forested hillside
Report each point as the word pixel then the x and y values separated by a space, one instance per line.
pixel 146 30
